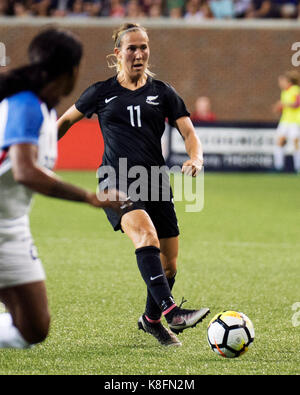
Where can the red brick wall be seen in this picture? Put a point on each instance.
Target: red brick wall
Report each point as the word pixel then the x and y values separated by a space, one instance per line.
pixel 236 67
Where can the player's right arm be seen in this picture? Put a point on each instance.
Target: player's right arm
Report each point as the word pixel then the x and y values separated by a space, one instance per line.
pixel 85 106
pixel 27 171
pixel 69 118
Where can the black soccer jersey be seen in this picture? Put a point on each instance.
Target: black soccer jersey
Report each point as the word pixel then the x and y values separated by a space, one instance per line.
pixel 132 122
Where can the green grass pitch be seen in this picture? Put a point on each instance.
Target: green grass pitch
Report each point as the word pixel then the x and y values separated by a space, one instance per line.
pixel 242 252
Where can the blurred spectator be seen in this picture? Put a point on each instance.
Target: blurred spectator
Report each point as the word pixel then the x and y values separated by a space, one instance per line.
pixel 134 9
pixel 41 7
pixel 175 8
pixel 188 9
pixel 3 7
pixel 60 8
pixel 222 9
pixel 273 9
pixel 203 111
pixel 241 7
pixel 93 7
pixel 205 8
pixel 117 9
pixel 259 9
pixel 197 10
pixel 77 9
pixel 20 9
pixel 284 8
pixel 155 10
pixel 145 5
pixel 7 7
pixel 105 8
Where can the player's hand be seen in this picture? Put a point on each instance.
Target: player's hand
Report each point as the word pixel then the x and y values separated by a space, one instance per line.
pixel 192 167
pixel 277 107
pixel 111 198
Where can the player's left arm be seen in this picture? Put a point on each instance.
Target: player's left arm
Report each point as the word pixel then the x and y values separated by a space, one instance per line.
pixel 193 146
pixel 295 103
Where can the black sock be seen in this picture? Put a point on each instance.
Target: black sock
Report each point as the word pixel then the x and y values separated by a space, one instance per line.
pixel 171 281
pixel 148 260
pixel 152 310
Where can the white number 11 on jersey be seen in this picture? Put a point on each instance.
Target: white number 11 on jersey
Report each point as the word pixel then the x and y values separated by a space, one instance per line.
pixel 136 109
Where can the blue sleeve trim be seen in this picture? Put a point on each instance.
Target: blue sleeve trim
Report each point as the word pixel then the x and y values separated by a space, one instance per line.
pixel 25 140
pixel 24 119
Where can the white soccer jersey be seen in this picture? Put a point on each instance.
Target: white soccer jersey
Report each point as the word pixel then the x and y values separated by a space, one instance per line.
pixel 23 119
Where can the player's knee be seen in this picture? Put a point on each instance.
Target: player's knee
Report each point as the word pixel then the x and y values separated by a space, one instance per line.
pixel 37 332
pixel 170 267
pixel 281 141
pixel 148 237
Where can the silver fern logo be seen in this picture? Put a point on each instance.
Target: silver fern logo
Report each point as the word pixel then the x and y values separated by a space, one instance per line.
pixel 150 100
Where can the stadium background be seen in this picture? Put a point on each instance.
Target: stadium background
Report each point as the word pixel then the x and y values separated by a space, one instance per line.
pixel 240 253
pixel 235 63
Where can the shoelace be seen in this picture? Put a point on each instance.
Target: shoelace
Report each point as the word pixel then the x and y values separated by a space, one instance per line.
pixel 185 311
pixel 182 302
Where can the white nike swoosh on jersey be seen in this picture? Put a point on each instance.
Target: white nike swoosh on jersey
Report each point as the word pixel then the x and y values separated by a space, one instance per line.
pixel 153 278
pixel 110 99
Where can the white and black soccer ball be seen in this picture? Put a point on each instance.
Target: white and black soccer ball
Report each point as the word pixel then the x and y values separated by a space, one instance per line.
pixel 230 333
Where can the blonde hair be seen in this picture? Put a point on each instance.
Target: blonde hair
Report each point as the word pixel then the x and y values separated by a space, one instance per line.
pixel 117 36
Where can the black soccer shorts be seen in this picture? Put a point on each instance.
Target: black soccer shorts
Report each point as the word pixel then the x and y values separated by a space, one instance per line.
pixel 162 214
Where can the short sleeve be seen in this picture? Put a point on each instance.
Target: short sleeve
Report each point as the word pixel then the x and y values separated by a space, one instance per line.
pixel 87 102
pixel 23 120
pixel 175 105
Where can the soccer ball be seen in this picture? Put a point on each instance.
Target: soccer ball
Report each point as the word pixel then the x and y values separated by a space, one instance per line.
pixel 230 334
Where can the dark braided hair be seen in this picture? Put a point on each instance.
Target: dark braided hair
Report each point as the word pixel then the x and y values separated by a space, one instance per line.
pixel 52 52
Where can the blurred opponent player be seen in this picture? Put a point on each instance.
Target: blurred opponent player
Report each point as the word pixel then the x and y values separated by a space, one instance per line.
pixel 289 124
pixel 28 146
pixel 132 107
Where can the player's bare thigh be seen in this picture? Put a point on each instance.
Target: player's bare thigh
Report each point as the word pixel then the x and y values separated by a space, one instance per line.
pixel 139 227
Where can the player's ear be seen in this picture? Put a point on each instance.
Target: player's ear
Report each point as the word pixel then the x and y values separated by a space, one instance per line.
pixel 117 52
pixel 118 55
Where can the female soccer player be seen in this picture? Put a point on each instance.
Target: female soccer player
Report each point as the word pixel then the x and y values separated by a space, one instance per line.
pixel 289 124
pixel 28 145
pixel 132 107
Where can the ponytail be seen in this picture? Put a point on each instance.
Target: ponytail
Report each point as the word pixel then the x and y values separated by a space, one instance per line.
pixel 52 53
pixel 22 79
